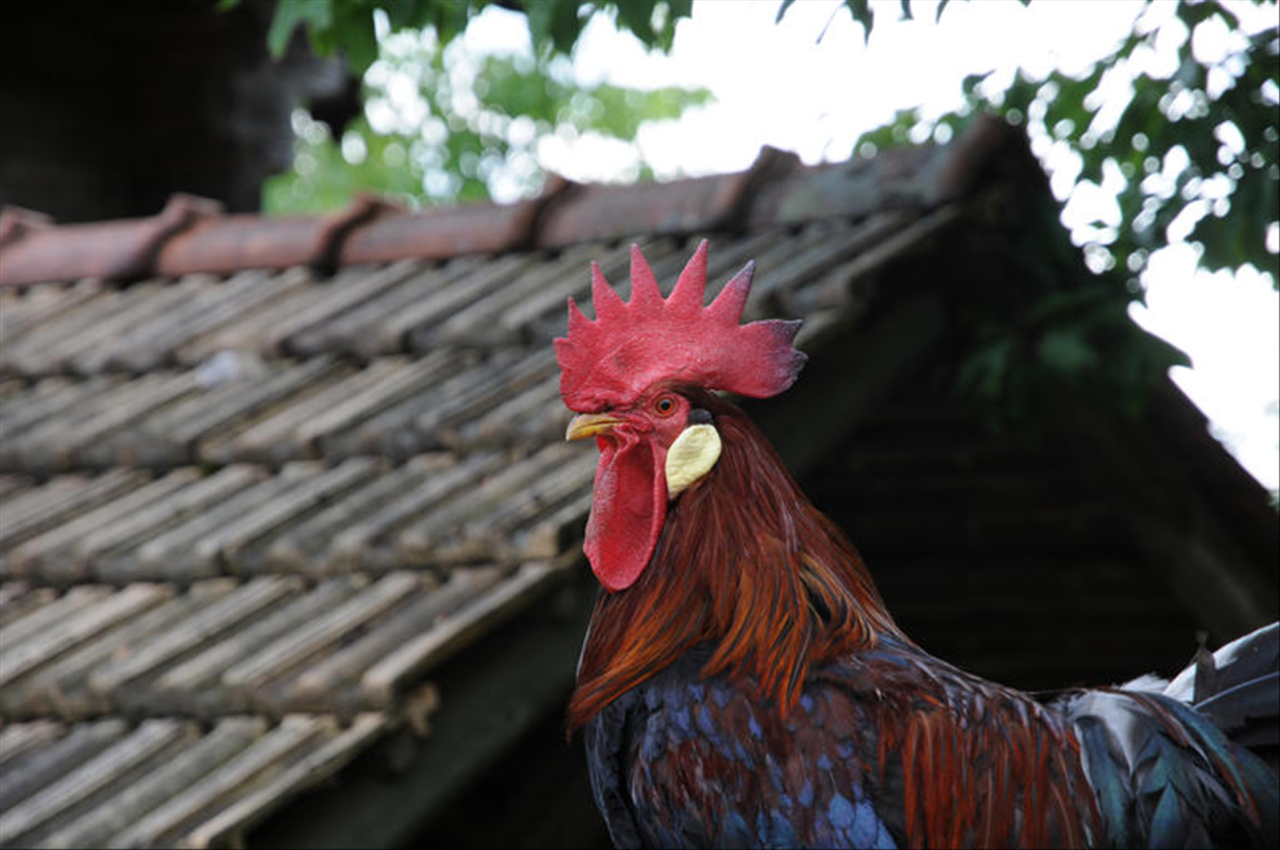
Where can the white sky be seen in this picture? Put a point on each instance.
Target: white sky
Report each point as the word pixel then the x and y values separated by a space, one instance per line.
pixel 776 84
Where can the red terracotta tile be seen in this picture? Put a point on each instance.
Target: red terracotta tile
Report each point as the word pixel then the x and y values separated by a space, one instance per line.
pixel 118 250
pixel 441 233
pixel 682 206
pixel 227 244
pixel 190 236
pixel 444 232
pixel 16 222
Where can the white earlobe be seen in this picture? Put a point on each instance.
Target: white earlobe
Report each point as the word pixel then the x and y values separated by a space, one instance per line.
pixel 691 456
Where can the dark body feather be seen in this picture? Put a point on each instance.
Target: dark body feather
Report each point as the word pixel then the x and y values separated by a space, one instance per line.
pixel 893 748
pixel 881 751
pixel 750 690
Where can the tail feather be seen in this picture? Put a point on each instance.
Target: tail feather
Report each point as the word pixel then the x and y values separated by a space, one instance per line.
pixel 1111 789
pixel 1243 660
pixel 1167 800
pixel 1183 763
pixel 1247 711
pixel 1240 691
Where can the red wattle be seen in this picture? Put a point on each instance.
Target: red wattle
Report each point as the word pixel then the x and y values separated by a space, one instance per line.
pixel 628 508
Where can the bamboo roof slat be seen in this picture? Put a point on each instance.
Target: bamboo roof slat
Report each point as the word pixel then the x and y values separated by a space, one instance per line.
pixel 62 686
pixel 351 547
pixel 426 650
pixel 61 553
pixel 195 685
pixel 265 331
pixel 90 777
pixel 337 330
pixel 36 649
pixel 205 626
pixel 41 305
pixel 303 643
pixel 343 669
pixel 42 507
pixel 300 548
pixel 187 767
pixel 445 301
pixel 41 619
pixel 41 767
pixel 224 784
pixel 315 766
pixel 17 739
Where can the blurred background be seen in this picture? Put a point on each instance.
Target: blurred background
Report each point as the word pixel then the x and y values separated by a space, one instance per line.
pixel 1156 122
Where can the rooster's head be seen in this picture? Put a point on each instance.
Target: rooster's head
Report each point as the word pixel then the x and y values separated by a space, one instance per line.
pixel 629 376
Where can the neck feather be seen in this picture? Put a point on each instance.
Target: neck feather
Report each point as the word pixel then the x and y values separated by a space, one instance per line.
pixel 746 565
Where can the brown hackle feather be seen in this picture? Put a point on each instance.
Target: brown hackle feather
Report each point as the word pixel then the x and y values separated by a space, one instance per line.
pixel 747 565
pixel 744 562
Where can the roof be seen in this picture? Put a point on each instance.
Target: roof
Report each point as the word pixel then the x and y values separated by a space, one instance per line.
pixel 261 477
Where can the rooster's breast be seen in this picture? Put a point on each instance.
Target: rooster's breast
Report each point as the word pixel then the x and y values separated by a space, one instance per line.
pixel 680 761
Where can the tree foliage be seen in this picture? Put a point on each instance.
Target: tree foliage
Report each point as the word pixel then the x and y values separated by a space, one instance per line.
pixel 1196 147
pixel 348 25
pixel 1193 151
pixel 472 125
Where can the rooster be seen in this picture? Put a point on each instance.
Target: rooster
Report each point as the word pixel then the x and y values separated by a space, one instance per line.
pixel 742 684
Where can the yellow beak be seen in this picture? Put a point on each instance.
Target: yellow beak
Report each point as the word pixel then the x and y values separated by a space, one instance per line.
pixel 590 425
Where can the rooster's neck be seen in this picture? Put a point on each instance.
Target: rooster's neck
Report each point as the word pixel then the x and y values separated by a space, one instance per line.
pixel 745 564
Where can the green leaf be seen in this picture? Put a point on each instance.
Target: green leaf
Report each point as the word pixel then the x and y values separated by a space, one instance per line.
pixel 554 26
pixel 406 14
pixel 863 14
pixel 1067 350
pixel 1069 102
pixel 450 18
pixel 1195 13
pixel 316 14
pixel 622 111
pixel 1059 306
pixel 1222 240
pixel 354 31
pixel 637 16
pixel 969 85
pixel 984 371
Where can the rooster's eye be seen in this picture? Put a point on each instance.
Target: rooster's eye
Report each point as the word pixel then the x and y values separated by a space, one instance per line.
pixel 665 405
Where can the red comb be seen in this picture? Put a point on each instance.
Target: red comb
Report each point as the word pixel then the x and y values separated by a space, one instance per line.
pixel 610 361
